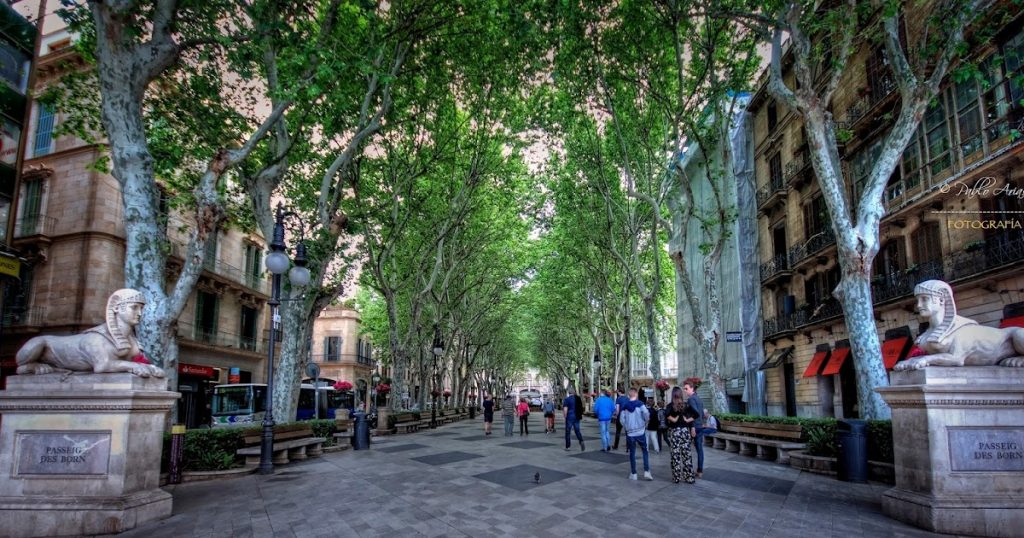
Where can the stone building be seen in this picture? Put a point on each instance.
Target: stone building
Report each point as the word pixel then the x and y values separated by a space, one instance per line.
pixel 69 228
pixel 955 208
pixel 340 351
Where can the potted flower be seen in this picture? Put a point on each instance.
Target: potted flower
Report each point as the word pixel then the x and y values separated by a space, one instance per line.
pixel 343 386
pixel 661 385
pixel 383 388
pixel 435 393
pixel 695 381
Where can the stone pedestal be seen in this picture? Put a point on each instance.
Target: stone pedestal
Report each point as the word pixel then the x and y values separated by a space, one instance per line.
pixel 958 438
pixel 81 455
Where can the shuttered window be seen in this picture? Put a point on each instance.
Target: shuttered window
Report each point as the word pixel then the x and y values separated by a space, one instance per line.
pixel 44 131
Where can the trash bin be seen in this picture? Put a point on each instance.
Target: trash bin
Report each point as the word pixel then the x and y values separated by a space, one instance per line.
pixel 852 442
pixel 361 439
pixel 472 412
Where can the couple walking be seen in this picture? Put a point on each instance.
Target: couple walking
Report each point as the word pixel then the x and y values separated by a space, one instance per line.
pixel 632 416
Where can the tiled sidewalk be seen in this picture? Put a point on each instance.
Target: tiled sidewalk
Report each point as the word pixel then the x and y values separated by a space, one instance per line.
pixel 454 481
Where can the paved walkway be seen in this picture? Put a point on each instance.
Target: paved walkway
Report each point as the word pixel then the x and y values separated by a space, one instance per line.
pixel 454 481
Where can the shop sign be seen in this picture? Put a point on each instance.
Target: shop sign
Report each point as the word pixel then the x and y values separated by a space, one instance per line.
pixel 196 370
pixel 10 266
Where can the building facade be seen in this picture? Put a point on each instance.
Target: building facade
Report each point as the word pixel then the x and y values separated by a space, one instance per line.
pixel 69 228
pixel 954 211
pixel 340 351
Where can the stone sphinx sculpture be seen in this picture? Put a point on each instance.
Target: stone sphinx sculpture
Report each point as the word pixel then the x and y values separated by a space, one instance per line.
pixel 105 348
pixel 953 340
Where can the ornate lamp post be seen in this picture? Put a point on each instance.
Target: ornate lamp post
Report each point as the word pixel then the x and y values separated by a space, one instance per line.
pixel 437 349
pixel 277 263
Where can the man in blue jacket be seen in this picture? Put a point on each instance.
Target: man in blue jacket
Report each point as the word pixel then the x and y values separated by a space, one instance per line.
pixel 690 393
pixel 634 416
pixel 572 418
pixel 619 402
pixel 604 408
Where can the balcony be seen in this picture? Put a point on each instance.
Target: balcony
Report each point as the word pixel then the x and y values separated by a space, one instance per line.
pixel 814 244
pixel 820 312
pixel 227 271
pixel 35 225
pixel 344 358
pixel 783 325
pixel 775 269
pixel 15 316
pixel 900 284
pixel 767 195
pixel 794 172
pixel 218 338
pixel 994 253
pixel 867 104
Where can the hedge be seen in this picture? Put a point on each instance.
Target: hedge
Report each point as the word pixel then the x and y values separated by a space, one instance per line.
pixel 213 449
pixel 820 434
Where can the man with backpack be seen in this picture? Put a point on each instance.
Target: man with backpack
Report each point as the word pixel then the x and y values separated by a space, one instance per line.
pixel 572 411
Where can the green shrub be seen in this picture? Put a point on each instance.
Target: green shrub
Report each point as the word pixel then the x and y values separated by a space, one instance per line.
pixel 205 450
pixel 821 438
pixel 325 428
pixel 880 440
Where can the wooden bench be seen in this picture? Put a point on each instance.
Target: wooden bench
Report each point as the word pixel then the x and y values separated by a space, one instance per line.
pixel 763 440
pixel 289 445
pixel 409 423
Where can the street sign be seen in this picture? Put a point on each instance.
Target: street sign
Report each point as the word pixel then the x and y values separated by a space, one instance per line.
pixel 313 370
pixel 733 336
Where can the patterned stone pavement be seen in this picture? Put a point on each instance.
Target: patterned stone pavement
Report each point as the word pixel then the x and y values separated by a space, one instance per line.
pixel 460 483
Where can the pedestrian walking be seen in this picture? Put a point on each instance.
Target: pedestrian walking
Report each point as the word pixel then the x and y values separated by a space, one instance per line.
pixel 604 408
pixel 634 416
pixel 572 412
pixel 508 412
pixel 680 419
pixel 523 411
pixel 620 400
pixel 652 429
pixel 549 416
pixel 694 402
pixel 488 413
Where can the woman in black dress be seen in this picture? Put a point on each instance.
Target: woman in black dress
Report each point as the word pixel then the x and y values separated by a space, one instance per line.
pixel 680 417
pixel 488 413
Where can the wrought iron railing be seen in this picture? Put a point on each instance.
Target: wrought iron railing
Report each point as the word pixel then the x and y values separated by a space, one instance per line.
pixel 219 267
pixel 769 191
pixel 782 324
pixel 774 266
pixel 15 316
pixel 219 338
pixel 815 243
pixel 29 225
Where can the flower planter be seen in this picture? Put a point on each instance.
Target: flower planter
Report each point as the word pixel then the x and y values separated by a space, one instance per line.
pixel 878 471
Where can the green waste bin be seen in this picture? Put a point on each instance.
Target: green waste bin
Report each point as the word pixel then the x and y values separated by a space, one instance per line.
pixel 852 442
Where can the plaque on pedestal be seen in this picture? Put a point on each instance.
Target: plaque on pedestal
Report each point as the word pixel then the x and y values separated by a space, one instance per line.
pixel 958 442
pixel 85 456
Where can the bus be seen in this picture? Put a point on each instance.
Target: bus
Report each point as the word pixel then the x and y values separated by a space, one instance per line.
pixel 243 404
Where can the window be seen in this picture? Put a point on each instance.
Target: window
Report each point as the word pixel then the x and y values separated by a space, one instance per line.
pixel 5 212
pixel 911 163
pixel 247 330
pixel 927 243
pixel 16 301
pixel 253 265
pixel 206 317
pixel 966 96
pixel 1013 54
pixel 880 79
pixel 31 206
pixel 815 216
pixel 862 164
pixel 210 257
pixel 332 348
pixel 1002 208
pixel 775 170
pixel 773 116
pixel 937 137
pixel 44 131
pixel 891 259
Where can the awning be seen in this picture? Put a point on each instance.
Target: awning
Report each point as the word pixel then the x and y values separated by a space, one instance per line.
pixel 816 362
pixel 1016 321
pixel 776 358
pixel 836 362
pixel 894 351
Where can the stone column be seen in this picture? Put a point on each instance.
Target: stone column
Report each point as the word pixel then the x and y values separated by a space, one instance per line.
pixel 82 453
pixel 958 438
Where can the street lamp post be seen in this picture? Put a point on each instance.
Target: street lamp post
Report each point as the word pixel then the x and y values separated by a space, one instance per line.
pixel 437 349
pixel 277 263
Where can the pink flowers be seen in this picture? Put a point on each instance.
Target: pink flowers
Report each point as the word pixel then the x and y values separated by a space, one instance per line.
pixel 661 385
pixel 343 385
pixel 383 388
pixel 447 393
pixel 695 381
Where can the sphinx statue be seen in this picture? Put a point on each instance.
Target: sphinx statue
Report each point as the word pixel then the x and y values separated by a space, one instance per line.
pixel 105 348
pixel 953 340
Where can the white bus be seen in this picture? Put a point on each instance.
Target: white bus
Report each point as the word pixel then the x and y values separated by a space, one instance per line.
pixel 243 404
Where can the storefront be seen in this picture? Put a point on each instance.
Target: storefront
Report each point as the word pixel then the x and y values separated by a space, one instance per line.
pixel 195 383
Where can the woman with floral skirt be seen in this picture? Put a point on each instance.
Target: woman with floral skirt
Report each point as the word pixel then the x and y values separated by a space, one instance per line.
pixel 680 417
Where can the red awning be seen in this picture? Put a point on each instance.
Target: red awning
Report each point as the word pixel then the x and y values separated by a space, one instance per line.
pixel 836 362
pixel 816 362
pixel 1016 321
pixel 894 351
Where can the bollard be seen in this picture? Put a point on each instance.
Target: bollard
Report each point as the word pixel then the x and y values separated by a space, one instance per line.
pixel 177 450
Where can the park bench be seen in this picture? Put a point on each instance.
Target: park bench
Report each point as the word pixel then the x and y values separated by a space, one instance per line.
pixel 345 432
pixel 408 423
pixel 290 443
pixel 763 440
